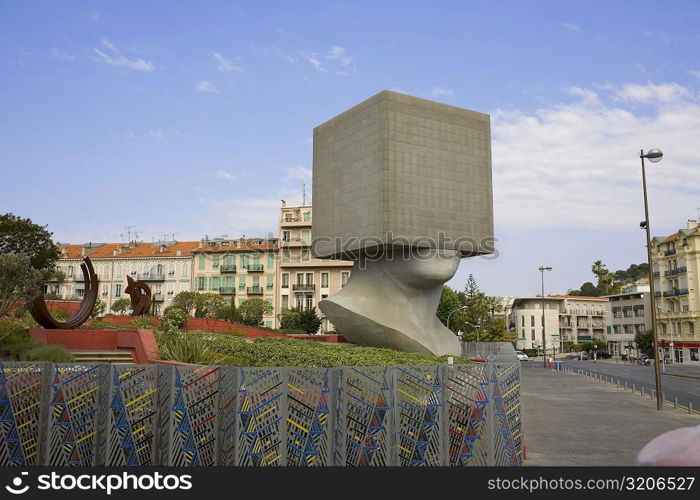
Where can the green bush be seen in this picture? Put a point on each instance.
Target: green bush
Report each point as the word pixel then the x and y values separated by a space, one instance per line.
pixel 142 323
pixel 292 331
pixel 306 320
pixel 121 306
pixel 99 309
pixel 96 323
pixel 40 352
pixel 187 347
pixel 173 319
pixel 282 352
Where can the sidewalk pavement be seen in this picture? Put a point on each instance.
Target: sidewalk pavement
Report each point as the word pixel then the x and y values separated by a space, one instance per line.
pixel 572 420
pixel 675 369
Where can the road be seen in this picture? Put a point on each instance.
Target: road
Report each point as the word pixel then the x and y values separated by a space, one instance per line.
pixel 683 388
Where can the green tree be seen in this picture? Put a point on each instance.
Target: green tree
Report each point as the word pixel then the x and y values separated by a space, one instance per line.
pixel 99 309
pixel 253 310
pixel 449 301
pixel 588 289
pixel 605 278
pixel 22 236
pixel 209 305
pixel 173 319
pixel 19 282
pixel 645 342
pixel 121 306
pixel 186 301
pixel 309 320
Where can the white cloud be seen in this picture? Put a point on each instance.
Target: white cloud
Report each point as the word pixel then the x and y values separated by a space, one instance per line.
pixel 695 73
pixel 298 173
pixel 571 26
pixel 313 60
pixel 665 92
pixel 223 216
pixel 224 64
pixel 338 54
pixel 224 174
pixel 577 164
pixel 63 56
pixel 440 92
pixel 96 16
pixel 116 58
pixel 206 86
pixel 156 134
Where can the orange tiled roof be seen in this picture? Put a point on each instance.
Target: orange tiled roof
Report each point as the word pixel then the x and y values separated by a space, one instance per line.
pixel 153 250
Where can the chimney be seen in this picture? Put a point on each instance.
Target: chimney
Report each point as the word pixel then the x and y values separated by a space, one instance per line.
pixel 178 253
pixel 162 248
pixel 284 203
pixel 692 223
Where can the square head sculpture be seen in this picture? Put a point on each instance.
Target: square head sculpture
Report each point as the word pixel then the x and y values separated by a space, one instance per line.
pixel 392 174
pixel 401 170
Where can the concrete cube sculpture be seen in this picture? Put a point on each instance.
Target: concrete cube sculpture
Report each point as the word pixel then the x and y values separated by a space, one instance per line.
pixel 401 186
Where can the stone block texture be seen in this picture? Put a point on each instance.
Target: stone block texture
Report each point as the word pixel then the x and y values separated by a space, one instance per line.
pixel 397 169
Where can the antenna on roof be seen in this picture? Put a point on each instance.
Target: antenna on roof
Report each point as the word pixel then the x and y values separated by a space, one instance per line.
pixel 303 194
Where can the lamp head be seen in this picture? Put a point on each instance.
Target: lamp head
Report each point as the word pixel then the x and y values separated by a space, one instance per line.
pixel 654 155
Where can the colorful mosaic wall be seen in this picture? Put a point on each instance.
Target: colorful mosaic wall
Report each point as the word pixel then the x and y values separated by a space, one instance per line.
pixel 185 416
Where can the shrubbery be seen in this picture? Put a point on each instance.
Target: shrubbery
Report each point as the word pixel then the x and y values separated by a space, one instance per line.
pixel 17 345
pixel 142 323
pixel 281 352
pixel 173 318
pixel 187 347
pixel 302 320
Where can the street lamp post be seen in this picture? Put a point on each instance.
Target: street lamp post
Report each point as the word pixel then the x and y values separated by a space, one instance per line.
pixel 463 308
pixel 654 156
pixel 544 340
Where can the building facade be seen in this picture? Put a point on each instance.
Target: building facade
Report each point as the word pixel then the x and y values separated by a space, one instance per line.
pixel 239 270
pixel 676 271
pixel 628 313
pixel 166 267
pixel 567 319
pixel 304 279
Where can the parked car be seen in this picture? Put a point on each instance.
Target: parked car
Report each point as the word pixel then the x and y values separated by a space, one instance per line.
pixel 603 354
pixel 521 355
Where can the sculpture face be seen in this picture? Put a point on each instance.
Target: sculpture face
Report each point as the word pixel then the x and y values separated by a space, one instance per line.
pixel 426 268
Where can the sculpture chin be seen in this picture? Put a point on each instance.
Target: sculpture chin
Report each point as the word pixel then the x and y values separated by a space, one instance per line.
pixel 391 301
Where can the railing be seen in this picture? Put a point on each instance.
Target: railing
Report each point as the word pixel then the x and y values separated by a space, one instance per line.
pixel 255 268
pixel 255 290
pixel 460 415
pixel 151 277
pixel 682 291
pixel 301 287
pixel 669 272
pixel 157 297
pixel 656 274
pixel 227 290
pixel 670 252
pixel 228 268
pixel 682 270
pixel 657 294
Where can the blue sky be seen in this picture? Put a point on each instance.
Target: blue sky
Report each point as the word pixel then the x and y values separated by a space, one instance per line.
pixel 197 118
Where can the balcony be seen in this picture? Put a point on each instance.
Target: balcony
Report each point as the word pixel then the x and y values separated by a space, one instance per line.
pixel 255 290
pixel 670 272
pixel 670 252
pixel 657 294
pixel 682 270
pixel 682 291
pixel 229 268
pixel 295 242
pixel 227 290
pixel 157 297
pixel 255 268
pixel 79 278
pixel 294 222
pixel 301 287
pixel 656 274
pixel 151 277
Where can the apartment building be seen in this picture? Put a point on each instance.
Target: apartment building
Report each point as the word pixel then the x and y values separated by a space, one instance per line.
pixel 676 271
pixel 628 313
pixel 567 318
pixel 305 280
pixel 238 269
pixel 165 266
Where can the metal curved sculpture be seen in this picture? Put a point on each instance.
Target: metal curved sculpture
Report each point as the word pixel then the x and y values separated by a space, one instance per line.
pixel 140 294
pixel 41 314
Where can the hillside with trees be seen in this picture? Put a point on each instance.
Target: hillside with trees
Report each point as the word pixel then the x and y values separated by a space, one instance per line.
pixel 611 282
